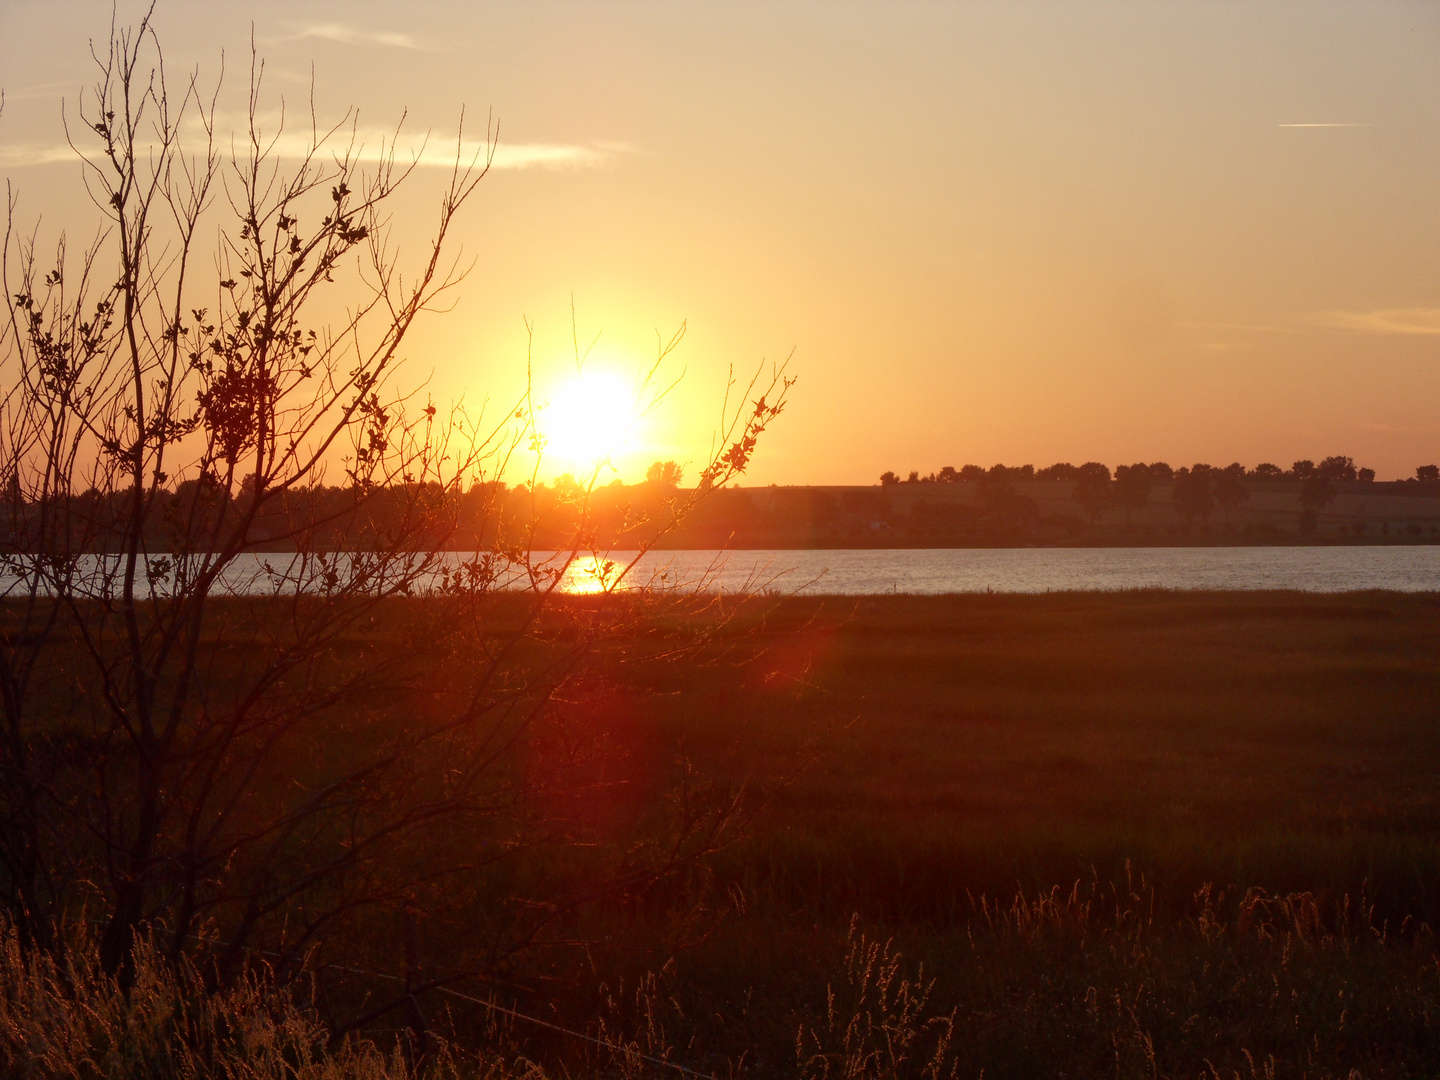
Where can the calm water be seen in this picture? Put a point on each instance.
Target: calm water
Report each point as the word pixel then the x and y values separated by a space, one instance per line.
pixel 920 571
pixel 1028 570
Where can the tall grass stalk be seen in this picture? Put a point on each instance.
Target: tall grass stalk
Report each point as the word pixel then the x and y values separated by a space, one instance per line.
pixel 64 1018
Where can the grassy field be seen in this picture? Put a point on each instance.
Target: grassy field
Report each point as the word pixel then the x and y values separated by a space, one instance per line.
pixel 1137 834
pixel 1147 834
pixel 1246 739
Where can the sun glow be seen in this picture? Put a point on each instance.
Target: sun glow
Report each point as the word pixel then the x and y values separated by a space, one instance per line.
pixel 588 420
pixel 591 574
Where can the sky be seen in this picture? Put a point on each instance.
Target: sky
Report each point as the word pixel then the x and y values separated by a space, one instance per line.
pixel 981 232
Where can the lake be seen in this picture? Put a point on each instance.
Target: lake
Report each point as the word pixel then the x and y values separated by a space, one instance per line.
pixel 918 571
pixel 933 571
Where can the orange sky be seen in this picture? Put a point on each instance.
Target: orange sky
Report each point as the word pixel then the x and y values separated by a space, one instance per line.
pixel 989 232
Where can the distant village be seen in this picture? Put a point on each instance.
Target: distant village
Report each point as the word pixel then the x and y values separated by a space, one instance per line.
pixel 1332 502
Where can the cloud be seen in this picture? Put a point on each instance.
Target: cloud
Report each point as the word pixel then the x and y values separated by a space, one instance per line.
pixel 1325 125
pixel 349 35
pixel 545 155
pixel 1393 429
pixel 1406 321
pixel 1256 327
pixel 18 154
pixel 39 91
pixel 373 146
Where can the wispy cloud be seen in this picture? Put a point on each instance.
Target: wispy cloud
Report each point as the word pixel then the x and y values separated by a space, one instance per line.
pixel 441 152
pixel 1322 125
pixel 39 91
pixel 1425 321
pixel 372 147
pixel 1256 327
pixel 350 35
pixel 547 156
pixel 1393 429
pixel 18 154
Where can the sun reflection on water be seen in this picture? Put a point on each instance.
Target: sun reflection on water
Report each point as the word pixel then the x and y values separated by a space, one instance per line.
pixel 590 575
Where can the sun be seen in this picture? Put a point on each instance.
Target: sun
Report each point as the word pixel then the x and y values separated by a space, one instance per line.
pixel 588 420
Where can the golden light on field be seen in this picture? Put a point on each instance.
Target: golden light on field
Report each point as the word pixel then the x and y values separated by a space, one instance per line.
pixel 588 420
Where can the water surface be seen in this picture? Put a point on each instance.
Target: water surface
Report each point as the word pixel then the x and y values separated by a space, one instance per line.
pixel 935 571
pixel 917 571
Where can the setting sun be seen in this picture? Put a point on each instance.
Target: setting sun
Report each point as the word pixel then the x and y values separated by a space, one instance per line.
pixel 589 419
pixel 545 539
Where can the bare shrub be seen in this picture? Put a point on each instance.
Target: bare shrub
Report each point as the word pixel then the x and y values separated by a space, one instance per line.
pixel 305 770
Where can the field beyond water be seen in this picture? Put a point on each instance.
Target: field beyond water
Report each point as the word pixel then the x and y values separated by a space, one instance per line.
pixel 1110 835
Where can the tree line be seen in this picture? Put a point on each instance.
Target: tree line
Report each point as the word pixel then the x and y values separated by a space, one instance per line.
pixel 1196 491
pixel 541 515
pixel 1336 467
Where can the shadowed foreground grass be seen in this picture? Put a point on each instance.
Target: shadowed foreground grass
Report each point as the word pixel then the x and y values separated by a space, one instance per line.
pixel 1087 984
pixel 67 1019
pixel 1134 835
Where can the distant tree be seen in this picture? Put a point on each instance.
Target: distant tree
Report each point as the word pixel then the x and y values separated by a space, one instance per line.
pixel 1266 471
pixel 1132 487
pixel 665 474
pixel 948 475
pixel 1159 470
pixel 1230 491
pixel 1316 493
pixel 1013 473
pixel 971 473
pixel 1092 488
pixel 1365 476
pixel 887 478
pixel 1061 470
pixel 1302 469
pixel 1194 501
pixel 997 492
pixel 1234 469
pixel 1427 472
pixel 914 477
pixel 1336 468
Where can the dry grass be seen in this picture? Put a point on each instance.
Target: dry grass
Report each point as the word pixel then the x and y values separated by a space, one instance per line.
pixel 65 1018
